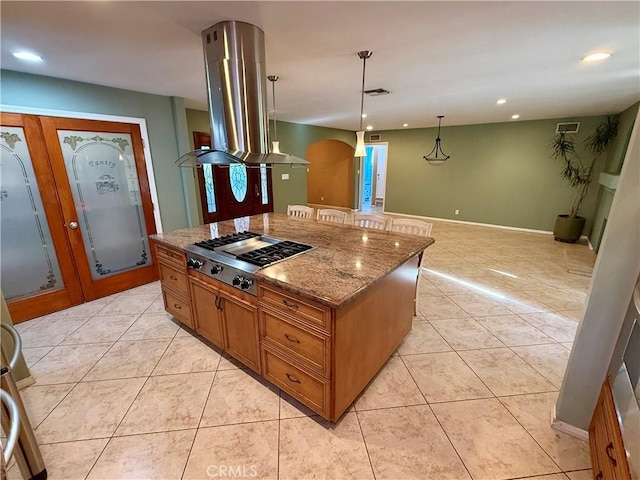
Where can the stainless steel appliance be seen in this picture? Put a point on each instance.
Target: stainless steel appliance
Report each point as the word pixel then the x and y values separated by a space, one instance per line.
pixel 234 259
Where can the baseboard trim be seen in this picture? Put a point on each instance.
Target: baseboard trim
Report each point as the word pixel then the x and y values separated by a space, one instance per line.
pixel 464 222
pixel 25 382
pixel 567 428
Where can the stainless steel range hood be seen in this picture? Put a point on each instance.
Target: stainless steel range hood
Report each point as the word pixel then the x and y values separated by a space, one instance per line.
pixel 236 88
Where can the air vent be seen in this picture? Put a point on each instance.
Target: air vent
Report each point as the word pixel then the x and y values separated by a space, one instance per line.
pixel 377 92
pixel 569 127
pixel 375 137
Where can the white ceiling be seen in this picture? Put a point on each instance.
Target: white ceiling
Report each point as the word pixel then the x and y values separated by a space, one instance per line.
pixel 437 58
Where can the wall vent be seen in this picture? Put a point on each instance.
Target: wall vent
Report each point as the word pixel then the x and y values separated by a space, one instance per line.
pixel 375 92
pixel 375 137
pixel 569 127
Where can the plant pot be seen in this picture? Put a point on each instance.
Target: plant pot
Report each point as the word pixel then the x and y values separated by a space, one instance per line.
pixel 568 229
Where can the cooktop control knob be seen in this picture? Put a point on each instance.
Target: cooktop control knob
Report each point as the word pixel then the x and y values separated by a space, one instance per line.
pixel 193 263
pixel 246 283
pixel 237 280
pixel 216 269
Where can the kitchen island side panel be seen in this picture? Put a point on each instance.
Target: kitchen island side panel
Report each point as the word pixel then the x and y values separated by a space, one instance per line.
pixel 368 330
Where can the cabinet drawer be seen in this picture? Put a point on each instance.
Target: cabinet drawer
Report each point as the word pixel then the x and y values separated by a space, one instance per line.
pixel 309 389
pixel 177 307
pixel 174 279
pixel 171 256
pixel 317 315
pixel 306 346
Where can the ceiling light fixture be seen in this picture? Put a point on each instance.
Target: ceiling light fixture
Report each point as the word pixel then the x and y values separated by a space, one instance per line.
pixel 360 150
pixel 369 127
pixel 437 156
pixel 502 101
pixel 364 115
pixel 275 144
pixel 515 116
pixel 594 57
pixel 405 124
pixel 28 56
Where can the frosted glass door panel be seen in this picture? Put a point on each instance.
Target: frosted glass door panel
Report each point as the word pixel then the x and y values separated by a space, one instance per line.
pixel 28 263
pixel 102 173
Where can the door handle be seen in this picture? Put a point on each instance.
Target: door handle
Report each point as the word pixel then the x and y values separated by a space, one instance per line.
pixel 257 189
pixel 73 225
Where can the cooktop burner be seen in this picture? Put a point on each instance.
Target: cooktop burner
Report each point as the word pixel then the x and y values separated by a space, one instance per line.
pixel 273 253
pixel 226 240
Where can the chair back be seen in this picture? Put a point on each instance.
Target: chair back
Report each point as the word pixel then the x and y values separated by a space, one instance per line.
pixel 333 216
pixel 377 222
pixel 299 211
pixel 411 226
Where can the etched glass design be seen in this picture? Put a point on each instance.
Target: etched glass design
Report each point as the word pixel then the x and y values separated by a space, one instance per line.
pixel 207 169
pixel 29 264
pixel 102 173
pixel 238 181
pixel 263 184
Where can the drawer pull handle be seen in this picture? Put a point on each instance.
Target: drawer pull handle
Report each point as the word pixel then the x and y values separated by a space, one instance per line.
pixel 608 451
pixel 292 306
pixel 292 378
pixel 291 338
pixel 177 307
pixel 173 277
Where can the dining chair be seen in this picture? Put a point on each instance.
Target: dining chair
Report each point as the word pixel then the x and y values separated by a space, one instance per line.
pixel 333 216
pixel 299 211
pixel 377 222
pixel 413 227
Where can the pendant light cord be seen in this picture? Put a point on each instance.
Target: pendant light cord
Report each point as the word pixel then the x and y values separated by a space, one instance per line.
pixel 272 79
pixel 364 54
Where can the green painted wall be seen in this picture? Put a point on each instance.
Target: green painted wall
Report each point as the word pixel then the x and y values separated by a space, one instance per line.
pixel 35 91
pixel 499 174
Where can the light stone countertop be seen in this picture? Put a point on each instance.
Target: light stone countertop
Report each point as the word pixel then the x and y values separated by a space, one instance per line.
pixel 345 260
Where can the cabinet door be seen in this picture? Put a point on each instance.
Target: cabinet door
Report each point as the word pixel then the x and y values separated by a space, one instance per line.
pixel 205 302
pixel 241 328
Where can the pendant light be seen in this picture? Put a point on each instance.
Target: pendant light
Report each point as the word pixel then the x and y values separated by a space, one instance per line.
pixel 437 156
pixel 275 144
pixel 360 150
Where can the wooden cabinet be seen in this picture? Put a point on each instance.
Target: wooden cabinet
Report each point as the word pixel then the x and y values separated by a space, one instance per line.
pixel 206 311
pixel 172 268
pixel 608 455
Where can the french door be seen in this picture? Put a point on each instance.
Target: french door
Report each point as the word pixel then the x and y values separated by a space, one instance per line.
pixel 232 191
pixel 76 212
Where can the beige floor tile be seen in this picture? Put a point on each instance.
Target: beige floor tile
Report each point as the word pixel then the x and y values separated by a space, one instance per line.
pixel 491 443
pixel 557 326
pixel 567 345
pixel 408 443
pixel 68 363
pixel 84 310
pixel 505 373
pixel 534 413
pixel 157 306
pixel 553 476
pixel 479 305
pixel 292 408
pixel 33 355
pixel 466 334
pixel 520 302
pixel 580 475
pixel 49 332
pixel 558 299
pixel 156 455
pixel 101 329
pixel 513 330
pixel 453 285
pixel 434 308
pixel 423 338
pixel 549 360
pixel 575 315
pixel 444 377
pixel 238 397
pixel 425 287
pixel 168 402
pixel 248 450
pixel 91 410
pixel 229 363
pixel 186 355
pixel 40 400
pixel 129 359
pixel 392 387
pixel 128 304
pixel 26 325
pixel 151 325
pixel 311 448
pixel 152 288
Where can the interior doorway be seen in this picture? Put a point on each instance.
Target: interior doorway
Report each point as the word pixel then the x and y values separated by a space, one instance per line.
pixel 373 178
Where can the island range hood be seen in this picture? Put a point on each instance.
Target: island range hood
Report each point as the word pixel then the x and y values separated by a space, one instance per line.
pixel 236 89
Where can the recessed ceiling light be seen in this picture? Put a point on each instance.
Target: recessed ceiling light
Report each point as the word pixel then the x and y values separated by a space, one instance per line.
pixel 594 57
pixel 369 127
pixel 28 56
pixel 405 124
pixel 515 116
pixel 364 115
pixel 502 101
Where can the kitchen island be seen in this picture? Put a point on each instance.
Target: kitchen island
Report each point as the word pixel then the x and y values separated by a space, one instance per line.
pixel 323 322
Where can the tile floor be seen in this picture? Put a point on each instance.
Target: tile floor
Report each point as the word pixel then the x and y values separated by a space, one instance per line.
pixel 124 392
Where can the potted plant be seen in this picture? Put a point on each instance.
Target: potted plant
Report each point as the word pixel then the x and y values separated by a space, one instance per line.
pixel 568 227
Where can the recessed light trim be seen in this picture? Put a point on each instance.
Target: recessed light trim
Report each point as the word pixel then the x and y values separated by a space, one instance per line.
pixel 501 101
pixel 596 56
pixel 369 127
pixel 27 56
pixel 364 115
pixel 515 116
pixel 405 124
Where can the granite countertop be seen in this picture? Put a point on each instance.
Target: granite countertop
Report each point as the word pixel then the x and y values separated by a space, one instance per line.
pixel 345 260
